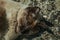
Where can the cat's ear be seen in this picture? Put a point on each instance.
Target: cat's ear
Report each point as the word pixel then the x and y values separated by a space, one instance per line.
pixel 37 10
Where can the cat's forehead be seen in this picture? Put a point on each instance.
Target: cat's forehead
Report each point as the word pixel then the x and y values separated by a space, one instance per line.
pixel 32 9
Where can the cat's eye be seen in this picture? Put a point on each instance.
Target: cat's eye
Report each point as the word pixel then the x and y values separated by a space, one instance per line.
pixel 33 15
